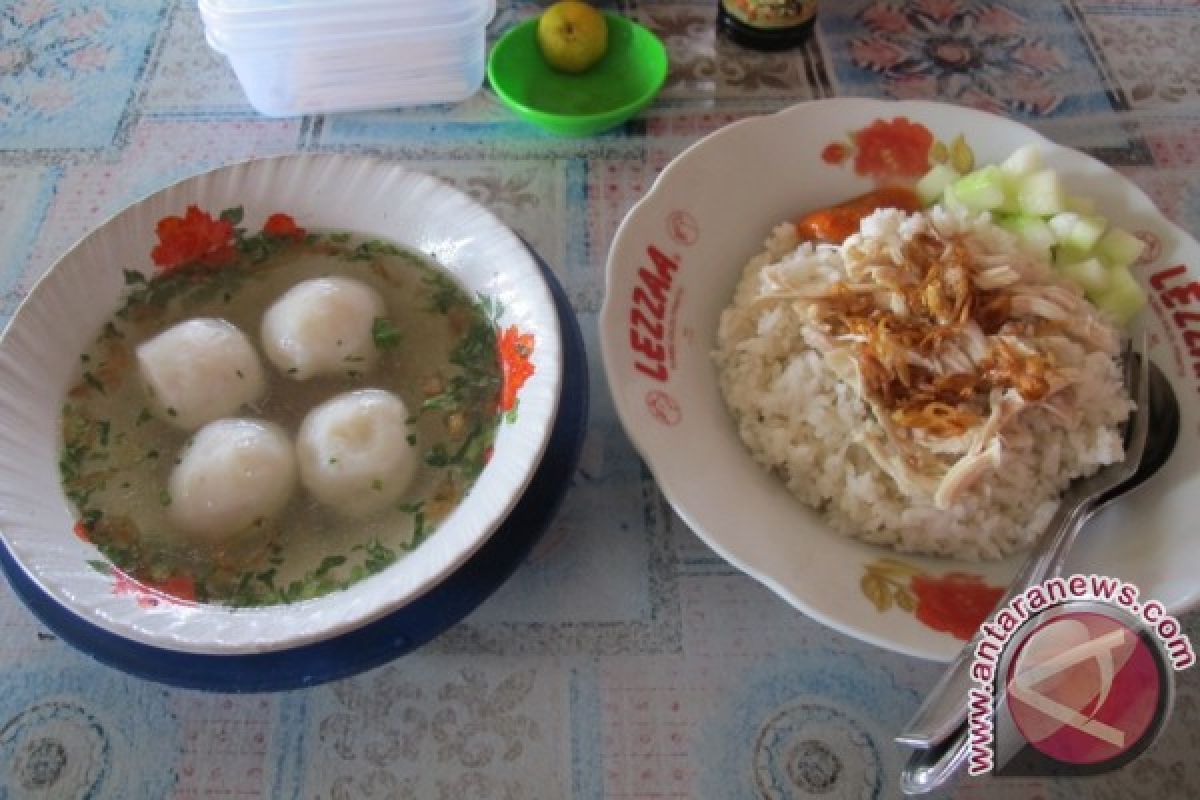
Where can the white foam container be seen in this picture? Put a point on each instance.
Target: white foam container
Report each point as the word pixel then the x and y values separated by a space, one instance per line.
pixel 296 57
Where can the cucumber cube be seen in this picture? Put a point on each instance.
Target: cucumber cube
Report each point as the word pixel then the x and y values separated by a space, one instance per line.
pixel 933 184
pixel 1033 231
pixel 982 190
pixel 1123 298
pixel 1086 233
pixel 1090 275
pixel 1025 160
pixel 950 200
pixel 1119 248
pixel 1062 225
pixel 1041 194
pixel 1077 233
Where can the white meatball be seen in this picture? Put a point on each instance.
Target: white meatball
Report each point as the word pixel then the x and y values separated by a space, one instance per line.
pixel 355 451
pixel 200 370
pixel 322 326
pixel 234 474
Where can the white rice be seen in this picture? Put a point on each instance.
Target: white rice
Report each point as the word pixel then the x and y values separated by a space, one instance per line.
pixel 803 423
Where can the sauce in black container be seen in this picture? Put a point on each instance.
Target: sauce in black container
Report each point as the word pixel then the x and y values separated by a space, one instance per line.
pixel 767 24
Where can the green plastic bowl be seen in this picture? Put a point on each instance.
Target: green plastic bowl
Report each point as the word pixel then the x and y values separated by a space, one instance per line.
pixel 621 84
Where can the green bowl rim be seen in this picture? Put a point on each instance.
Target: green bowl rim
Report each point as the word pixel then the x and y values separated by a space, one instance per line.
pixel 633 106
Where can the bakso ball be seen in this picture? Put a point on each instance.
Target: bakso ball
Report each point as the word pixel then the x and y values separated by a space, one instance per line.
pixel 355 453
pixel 200 370
pixel 235 474
pixel 321 327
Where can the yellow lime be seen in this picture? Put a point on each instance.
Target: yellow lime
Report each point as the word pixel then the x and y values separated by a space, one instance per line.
pixel 572 35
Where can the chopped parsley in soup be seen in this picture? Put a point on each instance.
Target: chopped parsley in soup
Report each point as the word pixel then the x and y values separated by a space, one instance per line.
pixel 278 415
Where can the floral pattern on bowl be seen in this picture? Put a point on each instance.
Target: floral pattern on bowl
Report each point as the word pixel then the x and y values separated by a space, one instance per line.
pixel 897 151
pixel 956 603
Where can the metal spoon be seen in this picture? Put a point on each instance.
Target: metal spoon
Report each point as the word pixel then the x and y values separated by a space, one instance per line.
pixel 931 766
pixel 945 706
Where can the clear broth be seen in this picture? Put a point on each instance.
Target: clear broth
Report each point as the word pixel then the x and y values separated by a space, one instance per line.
pixel 437 352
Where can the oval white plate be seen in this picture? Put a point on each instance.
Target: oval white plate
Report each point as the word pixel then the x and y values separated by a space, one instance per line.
pixel 39 356
pixel 671 270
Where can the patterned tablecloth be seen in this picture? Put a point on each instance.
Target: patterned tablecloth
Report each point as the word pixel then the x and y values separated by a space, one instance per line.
pixel 624 659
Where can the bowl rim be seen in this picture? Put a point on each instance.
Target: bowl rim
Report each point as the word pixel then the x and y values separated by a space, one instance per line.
pixel 552 120
pixel 535 292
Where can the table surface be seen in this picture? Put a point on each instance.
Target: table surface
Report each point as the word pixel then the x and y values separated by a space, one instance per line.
pixel 624 659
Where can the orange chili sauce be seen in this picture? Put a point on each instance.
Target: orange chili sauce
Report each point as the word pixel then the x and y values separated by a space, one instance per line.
pixel 835 223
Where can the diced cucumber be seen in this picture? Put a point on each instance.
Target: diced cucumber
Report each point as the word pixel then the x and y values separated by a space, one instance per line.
pixel 950 200
pixel 1041 193
pixel 1123 298
pixel 1119 248
pixel 1062 225
pixel 934 183
pixel 1033 231
pixel 1087 232
pixel 1092 276
pixel 1025 160
pixel 982 190
pixel 1010 205
pixel 1077 233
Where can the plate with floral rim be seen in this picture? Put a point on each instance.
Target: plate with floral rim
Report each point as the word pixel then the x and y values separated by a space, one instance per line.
pixel 671 271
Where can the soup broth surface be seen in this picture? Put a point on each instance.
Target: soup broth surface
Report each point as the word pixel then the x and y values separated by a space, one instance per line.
pixel 437 352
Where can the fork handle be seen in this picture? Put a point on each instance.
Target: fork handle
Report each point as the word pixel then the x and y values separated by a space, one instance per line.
pixel 945 707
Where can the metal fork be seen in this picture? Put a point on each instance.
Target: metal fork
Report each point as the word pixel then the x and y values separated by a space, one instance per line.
pixel 945 708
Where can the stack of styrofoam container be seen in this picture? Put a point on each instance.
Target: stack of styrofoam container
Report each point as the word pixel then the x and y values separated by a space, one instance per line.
pixel 297 57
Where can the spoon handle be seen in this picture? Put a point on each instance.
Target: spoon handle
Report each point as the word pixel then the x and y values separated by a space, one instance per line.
pixel 945 707
pixel 930 769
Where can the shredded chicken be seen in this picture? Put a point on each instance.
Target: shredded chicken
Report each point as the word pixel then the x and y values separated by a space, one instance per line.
pixel 950 344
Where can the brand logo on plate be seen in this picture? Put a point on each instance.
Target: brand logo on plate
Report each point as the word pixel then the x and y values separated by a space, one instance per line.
pixel 683 227
pixel 654 304
pixel 663 407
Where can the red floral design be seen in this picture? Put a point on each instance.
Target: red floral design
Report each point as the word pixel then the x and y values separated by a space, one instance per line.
pixel 892 149
pixel 956 603
pixel 149 593
pixel 835 153
pixel 177 587
pixel 282 226
pixel 194 238
pixel 515 349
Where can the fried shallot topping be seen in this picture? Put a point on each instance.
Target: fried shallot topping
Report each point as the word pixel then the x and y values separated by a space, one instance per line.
pixel 948 335
pixel 903 346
